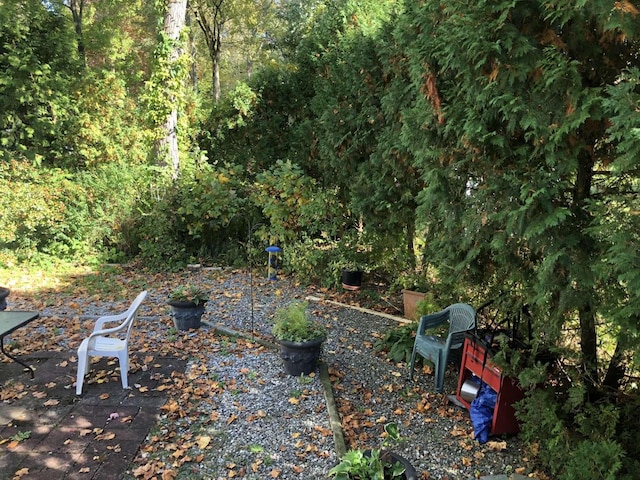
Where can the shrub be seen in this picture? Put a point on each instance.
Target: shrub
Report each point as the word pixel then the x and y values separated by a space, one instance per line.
pixel 398 343
pixel 44 211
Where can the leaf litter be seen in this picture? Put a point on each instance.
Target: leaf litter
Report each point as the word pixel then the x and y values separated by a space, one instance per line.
pixel 219 391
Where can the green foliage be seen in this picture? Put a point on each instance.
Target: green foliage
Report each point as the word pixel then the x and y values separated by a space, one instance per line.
pixel 375 464
pixel 293 323
pixel 110 125
pixel 189 293
pixel 293 203
pixel 312 260
pixel 46 212
pixel 38 66
pixel 589 431
pixel 200 216
pixel 398 343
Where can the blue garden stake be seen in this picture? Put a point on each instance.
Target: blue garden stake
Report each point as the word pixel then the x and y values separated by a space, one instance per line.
pixel 272 267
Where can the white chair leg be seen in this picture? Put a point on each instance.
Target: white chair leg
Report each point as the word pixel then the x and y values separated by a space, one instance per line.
pixel 124 369
pixel 82 369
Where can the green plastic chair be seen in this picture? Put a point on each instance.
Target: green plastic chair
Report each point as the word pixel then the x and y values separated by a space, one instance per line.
pixel 461 318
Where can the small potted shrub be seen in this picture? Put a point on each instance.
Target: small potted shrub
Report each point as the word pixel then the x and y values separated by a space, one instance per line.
pixel 375 464
pixel 187 304
pixel 300 338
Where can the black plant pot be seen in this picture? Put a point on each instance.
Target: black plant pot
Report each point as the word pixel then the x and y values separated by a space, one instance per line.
pixel 186 315
pixel 4 293
pixel 300 358
pixel 409 472
pixel 351 279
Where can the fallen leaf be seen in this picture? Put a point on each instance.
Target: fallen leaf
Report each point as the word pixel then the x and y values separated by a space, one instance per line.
pixel 497 446
pixel 104 396
pixel 51 403
pixel 203 441
pixel 169 475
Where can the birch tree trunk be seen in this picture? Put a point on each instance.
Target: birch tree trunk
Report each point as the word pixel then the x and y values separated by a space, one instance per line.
pixel 167 146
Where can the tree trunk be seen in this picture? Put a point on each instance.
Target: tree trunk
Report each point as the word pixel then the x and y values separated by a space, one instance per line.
pixel 167 146
pixel 586 313
pixel 617 369
pixel 77 9
pixel 216 77
pixel 211 18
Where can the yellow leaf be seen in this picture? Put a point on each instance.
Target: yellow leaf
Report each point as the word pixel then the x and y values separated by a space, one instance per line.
pixel 274 473
pixel 51 403
pixel 104 396
pixel 84 470
pixel 203 441
pixel 21 472
pixel 294 401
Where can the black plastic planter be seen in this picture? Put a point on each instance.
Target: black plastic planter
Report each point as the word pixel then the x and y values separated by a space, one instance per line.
pixel 351 279
pixel 300 358
pixel 186 315
pixel 4 293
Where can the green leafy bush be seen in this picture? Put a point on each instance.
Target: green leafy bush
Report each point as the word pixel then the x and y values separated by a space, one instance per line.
pixel 44 211
pixel 574 440
pixel 398 343
pixel 293 323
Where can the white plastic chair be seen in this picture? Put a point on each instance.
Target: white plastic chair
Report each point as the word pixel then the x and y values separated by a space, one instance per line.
pixel 461 318
pixel 109 342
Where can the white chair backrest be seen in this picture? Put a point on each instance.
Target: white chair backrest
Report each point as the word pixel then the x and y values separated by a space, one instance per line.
pixel 132 312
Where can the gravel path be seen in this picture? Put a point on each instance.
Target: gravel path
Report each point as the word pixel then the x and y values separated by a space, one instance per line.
pixel 271 435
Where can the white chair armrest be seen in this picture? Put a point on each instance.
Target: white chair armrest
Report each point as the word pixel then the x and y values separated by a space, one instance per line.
pixel 99 325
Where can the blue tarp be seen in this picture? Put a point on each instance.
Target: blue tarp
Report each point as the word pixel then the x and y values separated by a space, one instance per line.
pixel 481 412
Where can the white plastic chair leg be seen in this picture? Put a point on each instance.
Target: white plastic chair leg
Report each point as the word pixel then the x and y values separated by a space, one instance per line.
pixel 124 369
pixel 82 369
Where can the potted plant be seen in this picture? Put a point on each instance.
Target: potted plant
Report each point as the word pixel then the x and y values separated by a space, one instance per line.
pixel 351 278
pixel 300 338
pixel 414 286
pixel 187 304
pixel 375 464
